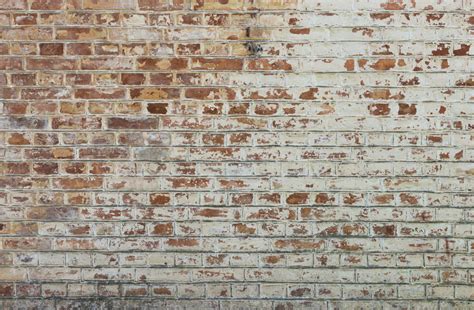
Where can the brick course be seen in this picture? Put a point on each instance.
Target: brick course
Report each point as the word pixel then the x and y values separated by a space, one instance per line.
pixel 225 154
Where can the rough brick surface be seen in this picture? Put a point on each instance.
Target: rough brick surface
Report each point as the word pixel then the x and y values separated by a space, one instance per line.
pixel 236 154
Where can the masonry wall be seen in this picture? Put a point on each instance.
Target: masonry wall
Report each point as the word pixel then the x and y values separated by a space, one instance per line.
pixel 233 154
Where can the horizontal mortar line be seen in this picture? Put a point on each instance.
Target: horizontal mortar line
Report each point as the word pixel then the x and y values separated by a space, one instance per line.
pixel 286 238
pixel 249 207
pixel 256 40
pixel 257 25
pixel 267 101
pixel 281 238
pixel 434 268
pixel 224 176
pixel 275 147
pixel 254 11
pixel 100 57
pixel 253 88
pixel 170 300
pixel 256 101
pixel 135 59
pixel 281 75
pixel 455 132
pixel 250 178
pixel 242 72
pixel 420 164
pixel 250 101
pixel 299 145
pixel 351 158
pixel 246 206
pixel 200 220
pixel 254 237
pixel 234 191
pixel 100 190
pixel 284 220
pixel 212 40
pixel 222 220
pixel 441 252
pixel 256 254
pixel 236 281
pixel 253 268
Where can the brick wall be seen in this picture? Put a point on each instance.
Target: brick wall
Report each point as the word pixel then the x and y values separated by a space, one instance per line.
pixel 230 154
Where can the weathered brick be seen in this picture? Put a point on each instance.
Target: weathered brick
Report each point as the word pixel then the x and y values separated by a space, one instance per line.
pixel 153 5
pixel 221 154
pixel 133 78
pixel 124 123
pixel 104 63
pixel 51 64
pixel 162 63
pixel 47 4
pixel 82 34
pixel 210 93
pixel 108 5
pixel 13 5
pixel 51 49
pixel 217 64
pixel 79 49
pixel 78 183
pixel 155 93
pixel 25 19
pixel 99 93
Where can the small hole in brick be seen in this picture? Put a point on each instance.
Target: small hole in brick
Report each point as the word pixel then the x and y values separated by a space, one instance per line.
pixel 254 48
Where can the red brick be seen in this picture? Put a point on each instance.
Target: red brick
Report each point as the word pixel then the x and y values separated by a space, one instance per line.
pixel 162 63
pixel 51 64
pixel 209 93
pixel 217 64
pixel 82 34
pixel 45 168
pixel 25 19
pixel 157 108
pixel 132 78
pixel 23 79
pixel 47 4
pixel 51 49
pixel 103 153
pixel 125 123
pixel 14 4
pixel 79 49
pixel 78 183
pixel 154 93
pixel 10 63
pixel 88 93
pixel 7 290
pixel 18 139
